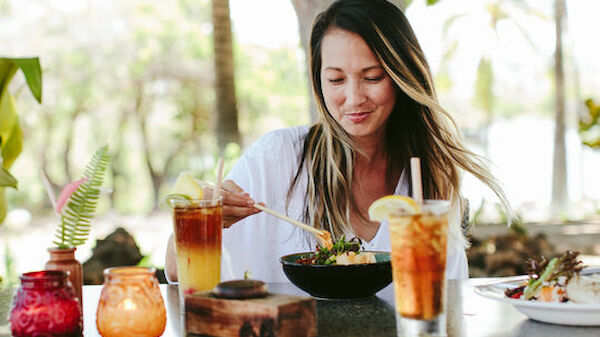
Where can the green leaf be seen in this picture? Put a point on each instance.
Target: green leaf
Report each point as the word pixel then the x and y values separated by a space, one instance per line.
pixel 2 205
pixel 6 179
pixel 8 68
pixel 13 146
pixel 8 116
pixel 76 215
pixel 432 2
pixel 33 75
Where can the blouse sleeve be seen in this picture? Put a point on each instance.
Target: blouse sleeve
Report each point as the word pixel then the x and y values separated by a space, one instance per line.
pixel 265 171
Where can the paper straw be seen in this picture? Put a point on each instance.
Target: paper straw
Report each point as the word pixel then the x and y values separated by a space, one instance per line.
pixel 417 185
pixel 219 178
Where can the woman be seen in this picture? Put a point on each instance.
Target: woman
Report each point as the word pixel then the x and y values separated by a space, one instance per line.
pixel 377 108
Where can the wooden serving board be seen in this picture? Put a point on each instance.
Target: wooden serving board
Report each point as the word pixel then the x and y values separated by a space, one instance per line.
pixel 274 315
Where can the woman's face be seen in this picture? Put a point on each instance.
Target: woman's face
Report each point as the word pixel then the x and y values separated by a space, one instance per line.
pixel 358 92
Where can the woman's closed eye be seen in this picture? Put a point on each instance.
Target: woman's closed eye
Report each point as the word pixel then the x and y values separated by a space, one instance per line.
pixel 374 78
pixel 335 80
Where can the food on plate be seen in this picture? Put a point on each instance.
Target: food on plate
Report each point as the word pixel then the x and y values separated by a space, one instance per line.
pixel 341 252
pixel 584 289
pixel 558 280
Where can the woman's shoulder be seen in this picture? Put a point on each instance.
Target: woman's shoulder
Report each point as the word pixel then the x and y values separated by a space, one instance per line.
pixel 277 142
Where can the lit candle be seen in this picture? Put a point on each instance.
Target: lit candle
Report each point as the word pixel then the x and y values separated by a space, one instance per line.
pixel 130 304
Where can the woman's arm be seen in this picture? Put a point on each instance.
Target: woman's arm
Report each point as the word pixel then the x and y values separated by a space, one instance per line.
pixel 170 264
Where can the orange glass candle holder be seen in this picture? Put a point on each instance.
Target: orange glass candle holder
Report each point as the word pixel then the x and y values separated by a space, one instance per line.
pixel 130 303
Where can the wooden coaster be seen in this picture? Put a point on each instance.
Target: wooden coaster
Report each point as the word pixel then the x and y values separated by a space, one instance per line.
pixel 271 315
pixel 241 289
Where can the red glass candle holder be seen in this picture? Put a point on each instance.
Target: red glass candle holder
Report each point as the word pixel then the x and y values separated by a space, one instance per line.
pixel 46 305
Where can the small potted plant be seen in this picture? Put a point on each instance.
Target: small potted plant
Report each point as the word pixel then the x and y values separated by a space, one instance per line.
pixel 76 205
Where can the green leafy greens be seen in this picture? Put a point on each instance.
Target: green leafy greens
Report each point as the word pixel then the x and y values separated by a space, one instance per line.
pixel 77 213
pixel 328 256
pixel 541 270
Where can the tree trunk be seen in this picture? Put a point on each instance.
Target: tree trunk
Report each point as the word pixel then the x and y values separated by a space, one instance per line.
pixel 69 141
pixel 559 174
pixel 306 12
pixel 227 121
pixel 155 177
pixel 43 155
pixel 115 163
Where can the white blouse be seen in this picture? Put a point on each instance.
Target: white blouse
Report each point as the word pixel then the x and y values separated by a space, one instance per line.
pixel 256 243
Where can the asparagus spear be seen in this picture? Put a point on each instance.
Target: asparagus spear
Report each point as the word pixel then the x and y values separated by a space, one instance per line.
pixel 566 265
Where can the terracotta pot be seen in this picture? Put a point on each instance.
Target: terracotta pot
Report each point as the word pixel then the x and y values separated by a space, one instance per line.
pixel 64 259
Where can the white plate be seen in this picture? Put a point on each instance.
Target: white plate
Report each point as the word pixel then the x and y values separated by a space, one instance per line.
pixel 556 313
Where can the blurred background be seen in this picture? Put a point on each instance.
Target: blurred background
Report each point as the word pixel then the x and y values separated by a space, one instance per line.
pixel 169 85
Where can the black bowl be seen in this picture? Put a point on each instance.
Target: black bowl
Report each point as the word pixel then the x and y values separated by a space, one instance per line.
pixel 338 281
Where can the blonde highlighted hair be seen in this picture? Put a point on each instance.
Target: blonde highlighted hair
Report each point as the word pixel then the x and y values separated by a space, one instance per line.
pixel 417 127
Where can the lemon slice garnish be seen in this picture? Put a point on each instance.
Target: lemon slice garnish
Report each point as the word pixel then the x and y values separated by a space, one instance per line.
pixel 185 188
pixel 381 208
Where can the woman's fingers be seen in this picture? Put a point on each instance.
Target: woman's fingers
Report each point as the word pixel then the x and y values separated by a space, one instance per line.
pixel 237 199
pixel 231 186
pixel 233 214
pixel 235 195
pixel 237 204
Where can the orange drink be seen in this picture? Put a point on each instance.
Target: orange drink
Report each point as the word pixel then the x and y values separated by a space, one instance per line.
pixel 418 241
pixel 197 232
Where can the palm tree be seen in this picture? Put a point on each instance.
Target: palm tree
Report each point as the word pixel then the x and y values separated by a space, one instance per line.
pixel 559 167
pixel 497 11
pixel 227 122
pixel 306 11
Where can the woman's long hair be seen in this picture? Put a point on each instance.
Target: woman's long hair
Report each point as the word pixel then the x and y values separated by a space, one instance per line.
pixel 417 127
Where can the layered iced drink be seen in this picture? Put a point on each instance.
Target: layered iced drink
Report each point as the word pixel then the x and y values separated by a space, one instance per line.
pixel 419 259
pixel 197 231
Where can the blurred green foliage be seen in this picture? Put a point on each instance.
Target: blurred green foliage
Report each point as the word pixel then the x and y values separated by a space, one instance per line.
pixel 589 125
pixel 144 84
pixel 11 134
pixel 10 278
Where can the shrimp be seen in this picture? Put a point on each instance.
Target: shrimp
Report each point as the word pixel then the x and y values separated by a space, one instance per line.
pixel 325 238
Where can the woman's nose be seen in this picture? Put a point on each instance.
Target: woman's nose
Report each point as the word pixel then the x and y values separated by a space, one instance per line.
pixel 355 94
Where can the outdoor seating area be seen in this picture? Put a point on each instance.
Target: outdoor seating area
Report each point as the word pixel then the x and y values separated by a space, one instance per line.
pixel 299 168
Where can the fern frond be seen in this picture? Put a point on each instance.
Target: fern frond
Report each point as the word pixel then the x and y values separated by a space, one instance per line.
pixel 76 215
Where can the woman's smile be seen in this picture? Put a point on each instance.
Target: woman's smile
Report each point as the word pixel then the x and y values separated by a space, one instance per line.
pixel 358 117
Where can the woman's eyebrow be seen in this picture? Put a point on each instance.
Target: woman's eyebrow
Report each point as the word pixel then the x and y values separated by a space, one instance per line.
pixel 371 68
pixel 364 70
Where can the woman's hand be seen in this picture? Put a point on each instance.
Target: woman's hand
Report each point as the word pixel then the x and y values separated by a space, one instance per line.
pixel 237 204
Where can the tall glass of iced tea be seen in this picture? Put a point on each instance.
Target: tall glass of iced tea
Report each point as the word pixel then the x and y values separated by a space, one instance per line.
pixel 418 243
pixel 197 228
